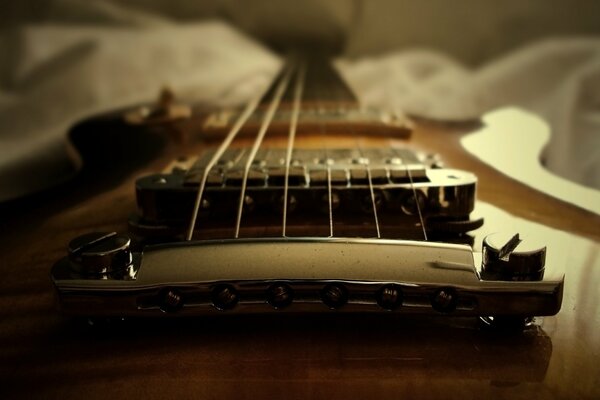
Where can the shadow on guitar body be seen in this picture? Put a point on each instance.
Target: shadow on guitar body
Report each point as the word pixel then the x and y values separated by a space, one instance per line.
pixel 333 347
pixel 110 150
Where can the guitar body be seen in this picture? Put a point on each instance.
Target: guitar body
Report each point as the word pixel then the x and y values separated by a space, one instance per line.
pixel 323 355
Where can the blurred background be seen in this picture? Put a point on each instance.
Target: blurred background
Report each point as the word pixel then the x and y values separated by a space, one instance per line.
pixel 473 31
pixel 63 60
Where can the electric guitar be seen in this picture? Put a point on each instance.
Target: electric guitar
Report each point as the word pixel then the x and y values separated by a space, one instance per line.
pixel 303 207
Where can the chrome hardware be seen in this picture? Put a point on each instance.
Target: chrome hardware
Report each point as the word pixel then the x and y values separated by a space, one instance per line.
pixel 302 275
pixel 224 297
pixel 389 297
pixel 280 295
pixel 337 182
pixel 444 300
pixel 171 300
pixel 511 258
pixel 334 295
pixel 100 253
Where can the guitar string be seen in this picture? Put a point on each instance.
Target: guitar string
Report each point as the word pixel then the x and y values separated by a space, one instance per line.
pixel 372 192
pixel 412 185
pixel 329 198
pixel 298 89
pixel 371 189
pixel 369 178
pixel 414 191
pixel 241 120
pixel 373 203
pixel 323 131
pixel 280 89
pixel 329 189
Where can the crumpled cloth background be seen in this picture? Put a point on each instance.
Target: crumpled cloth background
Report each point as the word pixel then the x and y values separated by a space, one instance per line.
pixel 56 74
pixel 64 74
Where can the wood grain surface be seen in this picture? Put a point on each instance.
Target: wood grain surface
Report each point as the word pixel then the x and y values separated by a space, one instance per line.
pixel 45 355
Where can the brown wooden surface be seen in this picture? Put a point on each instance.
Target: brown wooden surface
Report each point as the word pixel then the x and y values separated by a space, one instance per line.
pixel 45 355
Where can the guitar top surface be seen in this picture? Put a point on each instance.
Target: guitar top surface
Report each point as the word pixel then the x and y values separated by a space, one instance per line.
pixel 325 354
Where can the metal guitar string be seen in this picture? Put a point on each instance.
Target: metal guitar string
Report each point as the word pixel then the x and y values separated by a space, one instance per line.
pixel 370 179
pixel 412 186
pixel 368 170
pixel 250 108
pixel 282 85
pixel 323 132
pixel 329 197
pixel 372 197
pixel 241 120
pixel 298 89
pixel 414 191
pixel 329 190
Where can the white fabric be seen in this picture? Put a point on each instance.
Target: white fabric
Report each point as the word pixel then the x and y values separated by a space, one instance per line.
pixel 64 74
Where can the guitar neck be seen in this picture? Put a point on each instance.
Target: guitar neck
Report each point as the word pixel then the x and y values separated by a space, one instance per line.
pixel 327 105
pixel 323 85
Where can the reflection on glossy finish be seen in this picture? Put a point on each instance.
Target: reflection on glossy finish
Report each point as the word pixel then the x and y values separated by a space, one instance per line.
pixel 434 277
pixel 573 368
pixel 377 356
